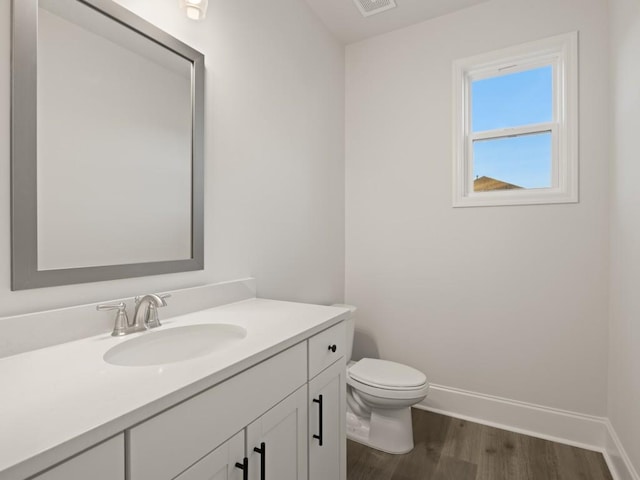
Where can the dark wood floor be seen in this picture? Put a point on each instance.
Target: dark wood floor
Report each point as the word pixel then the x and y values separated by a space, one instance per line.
pixel 450 449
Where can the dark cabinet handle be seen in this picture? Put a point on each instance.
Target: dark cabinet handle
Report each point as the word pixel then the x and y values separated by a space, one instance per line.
pixel 244 466
pixel 333 348
pixel 319 402
pixel 263 456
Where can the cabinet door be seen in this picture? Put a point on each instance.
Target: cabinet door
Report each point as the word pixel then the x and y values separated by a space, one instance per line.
pixel 167 444
pixel 277 441
pixel 220 464
pixel 103 462
pixel 327 424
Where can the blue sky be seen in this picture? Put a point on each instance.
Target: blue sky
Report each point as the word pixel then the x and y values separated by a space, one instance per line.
pixel 513 100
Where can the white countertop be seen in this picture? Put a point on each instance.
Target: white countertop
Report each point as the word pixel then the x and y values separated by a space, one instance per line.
pixel 57 401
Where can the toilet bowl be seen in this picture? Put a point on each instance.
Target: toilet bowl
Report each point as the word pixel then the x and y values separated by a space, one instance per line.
pixel 380 394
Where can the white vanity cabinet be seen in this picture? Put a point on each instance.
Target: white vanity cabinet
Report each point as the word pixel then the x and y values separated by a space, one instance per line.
pixel 168 444
pixel 288 412
pixel 282 419
pixel 102 462
pixel 274 447
pixel 327 405
pixel 251 403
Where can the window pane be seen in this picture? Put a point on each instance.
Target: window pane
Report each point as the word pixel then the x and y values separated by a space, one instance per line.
pixel 512 163
pixel 512 100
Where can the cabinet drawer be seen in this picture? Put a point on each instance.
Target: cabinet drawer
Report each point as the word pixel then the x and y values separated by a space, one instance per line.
pixel 321 353
pixel 102 462
pixel 169 443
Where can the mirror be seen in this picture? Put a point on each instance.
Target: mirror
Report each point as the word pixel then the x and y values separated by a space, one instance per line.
pixel 107 146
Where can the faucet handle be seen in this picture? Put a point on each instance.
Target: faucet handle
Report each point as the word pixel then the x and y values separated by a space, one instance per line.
pixel 121 325
pixel 111 306
pixel 153 321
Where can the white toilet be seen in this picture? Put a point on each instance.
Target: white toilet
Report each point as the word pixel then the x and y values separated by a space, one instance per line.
pixel 380 394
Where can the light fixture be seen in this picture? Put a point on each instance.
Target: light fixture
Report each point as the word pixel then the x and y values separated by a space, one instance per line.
pixel 195 9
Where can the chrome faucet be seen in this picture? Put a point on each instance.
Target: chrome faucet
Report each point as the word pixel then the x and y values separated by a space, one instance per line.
pixel 146 313
pixel 145 316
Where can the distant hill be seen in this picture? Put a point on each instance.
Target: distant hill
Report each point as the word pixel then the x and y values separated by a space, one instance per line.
pixel 486 184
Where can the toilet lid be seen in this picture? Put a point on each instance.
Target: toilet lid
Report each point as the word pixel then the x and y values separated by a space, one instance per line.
pixel 384 373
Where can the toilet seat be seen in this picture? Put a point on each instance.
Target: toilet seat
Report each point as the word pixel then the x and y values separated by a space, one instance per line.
pixel 389 394
pixel 386 374
pixel 388 380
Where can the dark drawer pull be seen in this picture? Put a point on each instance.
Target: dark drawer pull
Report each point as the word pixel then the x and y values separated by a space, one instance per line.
pixel 244 466
pixel 263 455
pixel 319 436
pixel 333 348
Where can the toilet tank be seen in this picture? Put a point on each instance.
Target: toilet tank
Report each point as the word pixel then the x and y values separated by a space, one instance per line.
pixel 350 324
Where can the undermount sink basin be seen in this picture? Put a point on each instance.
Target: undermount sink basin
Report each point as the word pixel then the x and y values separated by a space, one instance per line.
pixel 157 347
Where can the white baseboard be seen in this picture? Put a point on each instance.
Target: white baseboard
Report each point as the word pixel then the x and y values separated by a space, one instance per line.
pixel 619 463
pixel 576 429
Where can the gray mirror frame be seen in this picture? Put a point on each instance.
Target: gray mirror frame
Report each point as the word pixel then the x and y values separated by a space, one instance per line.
pixel 24 240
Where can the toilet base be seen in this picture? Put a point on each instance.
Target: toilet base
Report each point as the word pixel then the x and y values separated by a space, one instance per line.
pixel 387 430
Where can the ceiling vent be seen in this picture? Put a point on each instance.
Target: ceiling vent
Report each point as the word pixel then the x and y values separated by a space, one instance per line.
pixel 371 7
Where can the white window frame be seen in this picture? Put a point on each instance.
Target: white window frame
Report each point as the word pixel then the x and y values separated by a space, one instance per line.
pixel 561 52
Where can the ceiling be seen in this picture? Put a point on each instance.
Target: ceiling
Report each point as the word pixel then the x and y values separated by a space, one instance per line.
pixel 343 18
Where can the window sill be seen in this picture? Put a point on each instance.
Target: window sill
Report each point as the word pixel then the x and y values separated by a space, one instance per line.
pixel 505 198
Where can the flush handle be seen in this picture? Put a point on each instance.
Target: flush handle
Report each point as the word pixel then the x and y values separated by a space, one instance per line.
pixel 319 435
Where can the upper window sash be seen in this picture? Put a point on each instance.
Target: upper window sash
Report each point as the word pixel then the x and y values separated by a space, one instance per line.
pixel 516 65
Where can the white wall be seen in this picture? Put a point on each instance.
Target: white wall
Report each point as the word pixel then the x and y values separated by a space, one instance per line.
pixel 274 155
pixel 506 301
pixel 624 344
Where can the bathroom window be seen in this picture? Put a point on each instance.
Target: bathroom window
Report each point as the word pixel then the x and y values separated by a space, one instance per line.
pixel 515 125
